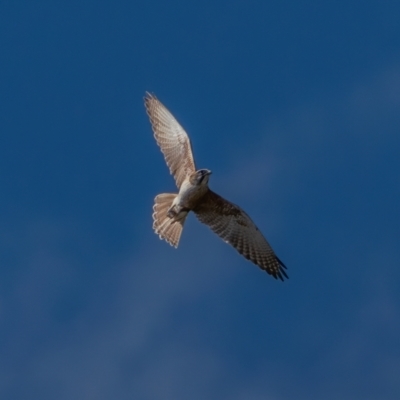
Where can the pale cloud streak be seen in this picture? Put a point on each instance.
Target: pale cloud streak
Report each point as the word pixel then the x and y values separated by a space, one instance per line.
pixel 125 341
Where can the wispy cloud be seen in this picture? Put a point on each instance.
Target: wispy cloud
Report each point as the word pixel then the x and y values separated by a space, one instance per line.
pixel 77 324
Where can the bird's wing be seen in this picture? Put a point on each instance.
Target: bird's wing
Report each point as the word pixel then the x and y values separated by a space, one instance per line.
pixel 172 139
pixel 235 227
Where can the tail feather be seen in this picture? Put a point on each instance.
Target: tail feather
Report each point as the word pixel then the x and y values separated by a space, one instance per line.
pixel 165 227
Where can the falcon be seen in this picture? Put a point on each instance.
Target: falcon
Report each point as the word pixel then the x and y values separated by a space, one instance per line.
pixel 226 219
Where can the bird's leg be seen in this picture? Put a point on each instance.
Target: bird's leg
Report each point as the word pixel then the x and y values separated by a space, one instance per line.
pixel 177 212
pixel 172 212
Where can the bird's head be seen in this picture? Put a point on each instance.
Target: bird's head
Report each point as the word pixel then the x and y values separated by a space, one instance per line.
pixel 201 177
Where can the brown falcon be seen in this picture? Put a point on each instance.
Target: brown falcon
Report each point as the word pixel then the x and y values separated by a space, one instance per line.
pixel 226 219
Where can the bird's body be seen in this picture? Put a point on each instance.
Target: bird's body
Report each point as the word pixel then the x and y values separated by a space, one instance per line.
pixel 191 191
pixel 226 219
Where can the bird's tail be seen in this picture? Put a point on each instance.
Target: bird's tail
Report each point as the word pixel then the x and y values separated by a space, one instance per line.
pixel 167 228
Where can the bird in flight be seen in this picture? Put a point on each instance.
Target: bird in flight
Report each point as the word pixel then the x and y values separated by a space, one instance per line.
pixel 226 219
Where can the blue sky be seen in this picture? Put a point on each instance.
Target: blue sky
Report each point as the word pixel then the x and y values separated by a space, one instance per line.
pixel 294 106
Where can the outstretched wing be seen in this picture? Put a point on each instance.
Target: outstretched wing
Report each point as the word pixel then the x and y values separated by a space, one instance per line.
pixel 235 227
pixel 172 139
